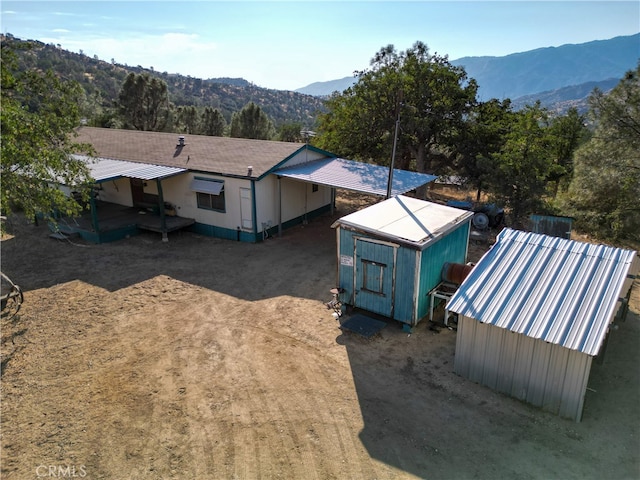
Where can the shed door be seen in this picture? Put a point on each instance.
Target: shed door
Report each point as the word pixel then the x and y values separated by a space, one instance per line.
pixel 374 275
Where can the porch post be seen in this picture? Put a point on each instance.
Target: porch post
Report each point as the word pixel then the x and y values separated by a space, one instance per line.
pixel 163 218
pixel 94 212
pixel 333 200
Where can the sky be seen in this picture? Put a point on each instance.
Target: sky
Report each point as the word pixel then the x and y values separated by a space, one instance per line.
pixel 287 45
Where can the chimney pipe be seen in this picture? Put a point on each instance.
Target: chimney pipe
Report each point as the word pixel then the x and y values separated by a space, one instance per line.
pixel 249 170
pixel 181 141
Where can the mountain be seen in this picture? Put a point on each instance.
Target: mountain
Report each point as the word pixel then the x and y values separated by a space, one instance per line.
pixel 102 82
pixel 322 89
pixel 562 99
pixel 552 68
pixel 557 76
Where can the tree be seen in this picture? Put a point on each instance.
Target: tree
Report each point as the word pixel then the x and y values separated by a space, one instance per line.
pixel 188 120
pixel 38 118
pixel 483 137
pixel 290 132
pixel 212 122
pixel 521 168
pixel 567 133
pixel 603 195
pixel 144 102
pixel 251 122
pixel 431 97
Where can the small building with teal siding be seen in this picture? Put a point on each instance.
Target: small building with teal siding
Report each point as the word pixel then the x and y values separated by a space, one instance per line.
pixel 391 255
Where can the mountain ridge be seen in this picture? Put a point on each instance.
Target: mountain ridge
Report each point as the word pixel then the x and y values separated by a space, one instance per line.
pixel 102 81
pixel 523 75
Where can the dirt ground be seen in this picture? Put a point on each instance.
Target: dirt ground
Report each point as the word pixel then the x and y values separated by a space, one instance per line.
pixel 206 358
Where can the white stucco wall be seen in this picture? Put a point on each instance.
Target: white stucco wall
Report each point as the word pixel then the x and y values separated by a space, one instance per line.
pixel 298 198
pixel 116 191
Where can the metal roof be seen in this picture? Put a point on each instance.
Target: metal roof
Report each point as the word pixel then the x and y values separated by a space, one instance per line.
pixel 358 176
pixel 561 291
pixel 406 219
pixel 103 169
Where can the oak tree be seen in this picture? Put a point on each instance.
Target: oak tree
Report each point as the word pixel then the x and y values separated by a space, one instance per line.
pixel 422 93
pixel 605 191
pixel 38 120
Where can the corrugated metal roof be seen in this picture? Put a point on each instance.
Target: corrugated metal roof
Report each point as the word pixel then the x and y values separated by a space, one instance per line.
pixel 103 169
pixel 557 290
pixel 406 219
pixel 358 176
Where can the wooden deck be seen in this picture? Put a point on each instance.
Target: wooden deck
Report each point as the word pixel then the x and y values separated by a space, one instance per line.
pixel 115 217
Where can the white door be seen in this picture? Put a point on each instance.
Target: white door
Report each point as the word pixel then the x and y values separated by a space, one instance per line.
pixel 246 209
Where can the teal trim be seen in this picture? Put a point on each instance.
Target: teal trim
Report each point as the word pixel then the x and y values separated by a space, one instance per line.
pixel 451 248
pixel 120 234
pixel 218 232
pixel 254 207
pixel 301 149
pixel 108 236
pixel 250 237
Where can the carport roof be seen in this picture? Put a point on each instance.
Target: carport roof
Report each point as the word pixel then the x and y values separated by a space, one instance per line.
pixel 358 176
pixel 104 169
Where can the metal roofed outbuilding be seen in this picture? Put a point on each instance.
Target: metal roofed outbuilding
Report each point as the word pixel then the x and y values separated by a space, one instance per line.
pixel 391 254
pixel 534 312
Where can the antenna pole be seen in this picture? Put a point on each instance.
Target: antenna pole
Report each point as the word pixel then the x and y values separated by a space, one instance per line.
pixel 395 143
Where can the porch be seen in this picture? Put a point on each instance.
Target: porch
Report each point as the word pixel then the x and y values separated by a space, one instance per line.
pixel 107 222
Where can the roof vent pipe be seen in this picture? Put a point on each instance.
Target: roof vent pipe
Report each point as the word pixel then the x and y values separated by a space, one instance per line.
pixel 181 141
pixel 249 170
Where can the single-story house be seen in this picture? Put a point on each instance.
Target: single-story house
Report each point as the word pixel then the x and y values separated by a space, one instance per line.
pixel 232 188
pixel 535 311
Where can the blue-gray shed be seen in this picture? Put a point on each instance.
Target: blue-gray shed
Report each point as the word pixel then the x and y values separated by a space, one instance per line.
pixel 391 254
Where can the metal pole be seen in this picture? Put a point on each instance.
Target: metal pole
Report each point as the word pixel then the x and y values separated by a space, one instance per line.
pixel 393 157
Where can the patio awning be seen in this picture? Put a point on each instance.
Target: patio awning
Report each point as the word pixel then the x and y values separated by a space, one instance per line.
pixel 357 176
pixel 105 169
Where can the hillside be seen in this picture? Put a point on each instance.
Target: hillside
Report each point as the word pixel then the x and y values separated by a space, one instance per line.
pixel 102 82
pixel 560 77
pixel 562 99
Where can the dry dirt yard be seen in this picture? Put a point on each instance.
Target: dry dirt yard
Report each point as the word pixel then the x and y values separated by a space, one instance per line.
pixel 205 358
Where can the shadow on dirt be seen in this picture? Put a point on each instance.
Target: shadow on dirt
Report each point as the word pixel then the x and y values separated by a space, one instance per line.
pixel 305 253
pixel 421 418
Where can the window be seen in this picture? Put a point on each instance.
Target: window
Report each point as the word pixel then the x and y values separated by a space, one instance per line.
pixel 314 187
pixel 373 277
pixel 209 194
